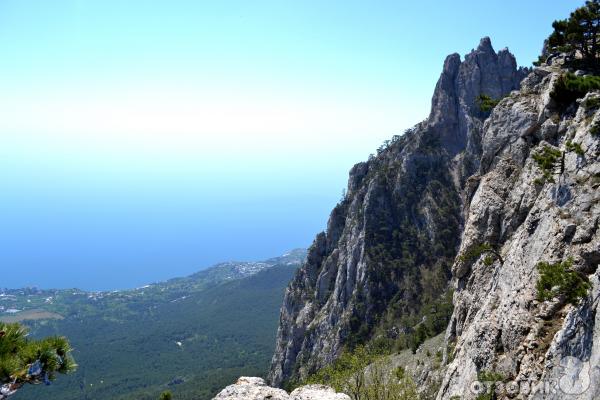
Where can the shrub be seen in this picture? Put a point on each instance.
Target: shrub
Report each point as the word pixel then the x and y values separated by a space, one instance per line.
pixel 540 61
pixel 382 384
pixel 490 378
pixel 547 160
pixel 166 396
pixel 400 373
pixel 349 374
pixel 486 103
pixel 576 147
pixel 559 280
pixel 569 88
pixel 595 129
pixel 476 251
pixel 592 102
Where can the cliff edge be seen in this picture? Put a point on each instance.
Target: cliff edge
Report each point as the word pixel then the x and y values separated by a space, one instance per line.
pixel 384 262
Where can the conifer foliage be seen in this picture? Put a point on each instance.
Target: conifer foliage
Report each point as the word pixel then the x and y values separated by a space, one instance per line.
pixel 27 361
pixel 579 35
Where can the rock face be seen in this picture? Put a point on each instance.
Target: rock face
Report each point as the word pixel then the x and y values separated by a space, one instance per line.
pixel 539 350
pixel 256 389
pixel 391 241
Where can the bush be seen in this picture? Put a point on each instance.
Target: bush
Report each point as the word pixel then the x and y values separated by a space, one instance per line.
pixel 490 378
pixel 486 103
pixel 576 147
pixel 476 251
pixel 569 88
pixel 592 102
pixel 559 280
pixel 349 374
pixel 540 61
pixel 547 160
pixel 166 396
pixel 595 129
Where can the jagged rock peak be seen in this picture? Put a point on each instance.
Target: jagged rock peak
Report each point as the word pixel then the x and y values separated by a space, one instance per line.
pixel 368 258
pixel 454 108
pixel 485 44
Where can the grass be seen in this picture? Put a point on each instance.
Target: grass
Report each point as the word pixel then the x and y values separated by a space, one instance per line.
pixel 31 315
pixel 490 378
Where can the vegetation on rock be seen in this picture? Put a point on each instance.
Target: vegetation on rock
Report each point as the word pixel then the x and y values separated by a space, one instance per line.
pixel 166 396
pixel 569 87
pixel 559 279
pixel 29 361
pixel 477 251
pixel 363 375
pixel 574 147
pixel 578 36
pixel 547 160
pixel 486 103
pixel 489 379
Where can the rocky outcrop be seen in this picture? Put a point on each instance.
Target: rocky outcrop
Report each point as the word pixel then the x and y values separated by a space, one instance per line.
pixel 391 241
pixel 256 389
pixel 533 349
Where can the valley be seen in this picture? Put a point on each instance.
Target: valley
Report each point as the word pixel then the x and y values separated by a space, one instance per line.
pixel 189 335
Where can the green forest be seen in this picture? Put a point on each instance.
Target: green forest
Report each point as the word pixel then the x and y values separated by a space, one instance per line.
pixel 191 336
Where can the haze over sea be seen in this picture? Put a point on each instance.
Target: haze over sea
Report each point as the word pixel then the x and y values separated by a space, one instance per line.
pixel 145 140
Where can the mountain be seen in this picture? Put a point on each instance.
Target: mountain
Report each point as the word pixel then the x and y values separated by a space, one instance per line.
pixel 190 335
pixel 536 199
pixel 383 265
pixel 464 259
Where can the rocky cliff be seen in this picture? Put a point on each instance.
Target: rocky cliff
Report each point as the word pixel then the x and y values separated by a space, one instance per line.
pixel 531 347
pixel 382 268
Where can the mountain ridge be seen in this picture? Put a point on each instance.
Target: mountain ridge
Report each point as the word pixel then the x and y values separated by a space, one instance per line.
pixel 34 299
pixel 385 257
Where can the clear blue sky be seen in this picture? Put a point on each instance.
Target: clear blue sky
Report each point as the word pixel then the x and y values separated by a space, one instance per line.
pixel 141 140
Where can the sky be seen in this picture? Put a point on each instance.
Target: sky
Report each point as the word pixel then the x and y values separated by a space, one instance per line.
pixel 142 140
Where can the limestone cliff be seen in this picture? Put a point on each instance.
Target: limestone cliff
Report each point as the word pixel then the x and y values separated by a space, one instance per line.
pixel 391 241
pixel 534 349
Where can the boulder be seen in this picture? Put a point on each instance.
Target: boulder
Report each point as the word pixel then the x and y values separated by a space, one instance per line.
pixel 250 388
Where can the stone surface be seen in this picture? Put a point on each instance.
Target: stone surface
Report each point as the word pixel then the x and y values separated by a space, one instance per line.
pixel 540 349
pixel 314 392
pixel 247 388
pixel 411 188
pixel 547 350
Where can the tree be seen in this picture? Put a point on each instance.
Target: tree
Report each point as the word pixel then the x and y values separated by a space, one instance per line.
pixel 578 34
pixel 24 360
pixel 166 396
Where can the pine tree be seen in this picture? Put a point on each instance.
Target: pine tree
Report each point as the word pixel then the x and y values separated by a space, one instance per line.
pixel 579 34
pixel 166 396
pixel 28 361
